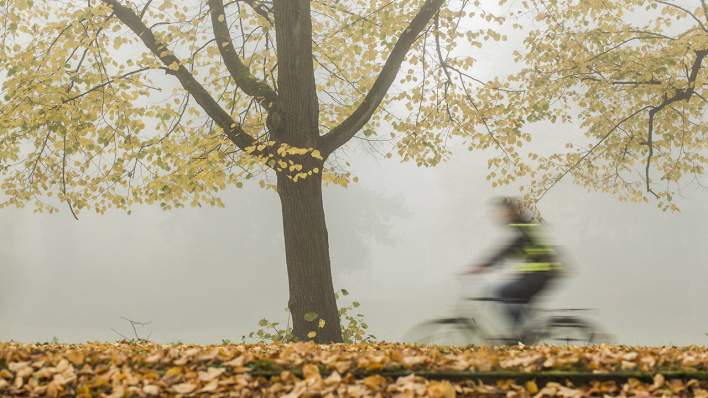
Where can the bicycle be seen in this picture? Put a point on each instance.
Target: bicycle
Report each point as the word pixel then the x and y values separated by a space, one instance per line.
pixel 465 329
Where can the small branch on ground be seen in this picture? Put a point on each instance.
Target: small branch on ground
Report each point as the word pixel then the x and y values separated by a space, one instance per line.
pixel 132 324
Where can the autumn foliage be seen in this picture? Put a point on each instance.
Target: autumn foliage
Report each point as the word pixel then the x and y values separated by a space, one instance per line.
pixel 113 104
pixel 147 369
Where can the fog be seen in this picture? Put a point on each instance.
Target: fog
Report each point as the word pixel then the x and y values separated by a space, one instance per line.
pixel 397 239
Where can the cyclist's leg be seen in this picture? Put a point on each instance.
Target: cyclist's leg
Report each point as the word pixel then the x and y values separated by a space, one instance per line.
pixel 538 282
pixel 519 293
pixel 514 295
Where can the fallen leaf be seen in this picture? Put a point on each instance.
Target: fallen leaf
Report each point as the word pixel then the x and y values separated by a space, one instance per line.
pixel 184 388
pixel 151 389
pixel 334 379
pixel 211 374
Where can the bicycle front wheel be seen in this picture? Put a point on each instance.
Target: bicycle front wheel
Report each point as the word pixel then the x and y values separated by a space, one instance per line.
pixel 446 332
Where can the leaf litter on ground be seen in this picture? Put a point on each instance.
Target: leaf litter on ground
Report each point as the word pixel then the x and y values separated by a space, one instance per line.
pixel 148 369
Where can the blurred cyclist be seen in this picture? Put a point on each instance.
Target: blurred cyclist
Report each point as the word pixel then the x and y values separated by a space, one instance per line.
pixel 538 265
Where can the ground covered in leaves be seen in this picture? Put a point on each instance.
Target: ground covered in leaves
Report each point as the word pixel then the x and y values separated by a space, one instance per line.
pixel 146 369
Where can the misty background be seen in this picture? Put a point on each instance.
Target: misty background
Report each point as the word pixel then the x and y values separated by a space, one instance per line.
pixel 397 239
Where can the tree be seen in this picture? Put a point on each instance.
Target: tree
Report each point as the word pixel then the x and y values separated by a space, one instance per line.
pixel 633 73
pixel 254 90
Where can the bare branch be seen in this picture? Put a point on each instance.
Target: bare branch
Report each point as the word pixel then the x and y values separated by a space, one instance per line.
pixel 121 335
pixel 341 134
pixel 133 323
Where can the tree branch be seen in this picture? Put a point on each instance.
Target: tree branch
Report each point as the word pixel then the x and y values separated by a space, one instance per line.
pixel 623 82
pixel 592 149
pixel 684 10
pixel 63 178
pixel 142 13
pixel 103 84
pixel 686 94
pixel 678 96
pixel 341 134
pixel 650 142
pixel 232 129
pixel 260 9
pixel 250 85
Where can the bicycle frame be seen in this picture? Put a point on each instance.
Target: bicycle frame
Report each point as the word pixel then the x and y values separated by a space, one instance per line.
pixel 477 314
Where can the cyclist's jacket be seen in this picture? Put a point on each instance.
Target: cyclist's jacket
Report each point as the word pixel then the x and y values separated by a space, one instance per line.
pixel 532 246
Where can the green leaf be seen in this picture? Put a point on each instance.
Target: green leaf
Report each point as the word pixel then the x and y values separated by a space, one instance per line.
pixel 345 292
pixel 310 316
pixel 355 304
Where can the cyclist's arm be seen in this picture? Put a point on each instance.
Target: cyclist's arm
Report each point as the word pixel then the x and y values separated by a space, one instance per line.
pixel 513 247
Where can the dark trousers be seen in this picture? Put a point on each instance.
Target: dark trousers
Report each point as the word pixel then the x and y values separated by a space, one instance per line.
pixel 519 293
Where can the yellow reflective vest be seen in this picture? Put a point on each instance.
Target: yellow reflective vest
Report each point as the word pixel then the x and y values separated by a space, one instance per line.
pixel 536 249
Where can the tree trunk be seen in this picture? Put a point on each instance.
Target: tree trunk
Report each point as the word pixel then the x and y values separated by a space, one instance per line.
pixel 296 123
pixel 307 258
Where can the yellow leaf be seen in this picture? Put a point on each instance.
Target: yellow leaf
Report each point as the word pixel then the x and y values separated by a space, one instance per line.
pixel 174 66
pixel 311 334
pixel 221 18
pixel 531 387
pixel 322 323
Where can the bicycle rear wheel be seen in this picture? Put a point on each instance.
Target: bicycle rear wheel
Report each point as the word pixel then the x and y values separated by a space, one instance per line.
pixel 566 330
pixel 445 332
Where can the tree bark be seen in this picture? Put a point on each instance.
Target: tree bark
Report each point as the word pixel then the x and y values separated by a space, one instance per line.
pixel 297 124
pixel 307 258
